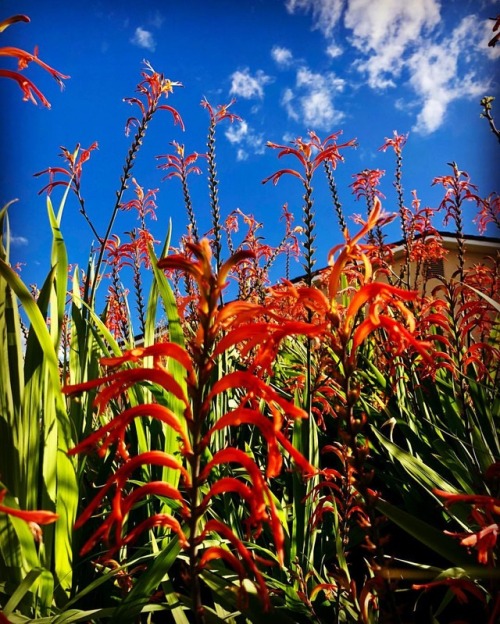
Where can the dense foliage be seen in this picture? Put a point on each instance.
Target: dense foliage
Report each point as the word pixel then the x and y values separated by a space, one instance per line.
pixel 322 450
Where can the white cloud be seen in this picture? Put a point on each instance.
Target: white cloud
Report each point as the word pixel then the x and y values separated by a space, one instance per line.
pixel 144 39
pixel 436 78
pixel 156 20
pixel 384 31
pixel 242 135
pixel 281 56
pixel 287 100
pixel 313 100
pixel 18 241
pixel 326 13
pixel 244 85
pixel 237 133
pixel 241 154
pixel 400 42
pixel 334 50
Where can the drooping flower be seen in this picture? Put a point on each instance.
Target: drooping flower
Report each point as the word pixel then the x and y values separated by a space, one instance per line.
pixel 221 112
pixel 484 510
pixel 40 517
pixel 397 142
pixel 152 87
pixel 459 586
pixel 366 182
pixel 34 518
pixel 29 89
pixel 144 203
pixel 73 174
pixel 311 154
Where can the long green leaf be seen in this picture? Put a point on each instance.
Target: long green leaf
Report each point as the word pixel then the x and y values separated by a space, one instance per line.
pixel 162 288
pixel 66 486
pixel 426 534
pixel 139 596
pixel 424 475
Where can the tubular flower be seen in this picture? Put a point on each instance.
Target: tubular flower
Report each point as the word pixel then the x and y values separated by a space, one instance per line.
pixel 382 299
pixel 489 213
pixel 178 165
pixel 151 88
pixel 73 173
pixel 32 518
pixel 397 142
pixel 311 154
pixel 225 532
pixel 484 510
pixel 144 203
pixel 366 182
pixel 29 89
pixel 354 250
pixel 190 414
pixel 459 586
pixel 458 188
pixel 40 517
pixel 221 112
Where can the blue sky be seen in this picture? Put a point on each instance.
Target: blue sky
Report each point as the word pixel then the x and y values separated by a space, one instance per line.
pixel 366 67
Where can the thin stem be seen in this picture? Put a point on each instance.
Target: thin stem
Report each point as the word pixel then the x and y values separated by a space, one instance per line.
pixel 124 178
pixel 83 211
pixel 486 103
pixel 335 196
pixel 188 203
pixel 213 184
pixel 405 268
pixel 309 227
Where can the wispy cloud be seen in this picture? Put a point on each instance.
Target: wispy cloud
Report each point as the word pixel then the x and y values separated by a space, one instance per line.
pixel 409 43
pixel 436 79
pixel 333 50
pixel 144 39
pixel 288 100
pixel 156 20
pixel 241 135
pixel 18 241
pixel 326 13
pixel 384 31
pixel 244 85
pixel 283 57
pixel 313 100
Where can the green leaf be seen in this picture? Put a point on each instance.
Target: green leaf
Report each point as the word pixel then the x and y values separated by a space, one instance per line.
pixel 21 591
pixel 134 602
pixel 434 539
pixel 420 471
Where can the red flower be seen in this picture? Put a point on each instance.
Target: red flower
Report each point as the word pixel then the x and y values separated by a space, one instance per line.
pixel 245 555
pixel 144 203
pixel 31 92
pixel 33 518
pixel 152 87
pixel 366 182
pixel 459 586
pixel 484 508
pixel 73 173
pixel 310 154
pixel 180 165
pixel 397 143
pixel 354 250
pixel 221 112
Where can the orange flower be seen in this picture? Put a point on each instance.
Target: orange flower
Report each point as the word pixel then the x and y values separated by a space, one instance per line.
pixel 484 508
pixel 310 154
pixel 30 90
pixel 221 112
pixel 33 518
pixel 459 586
